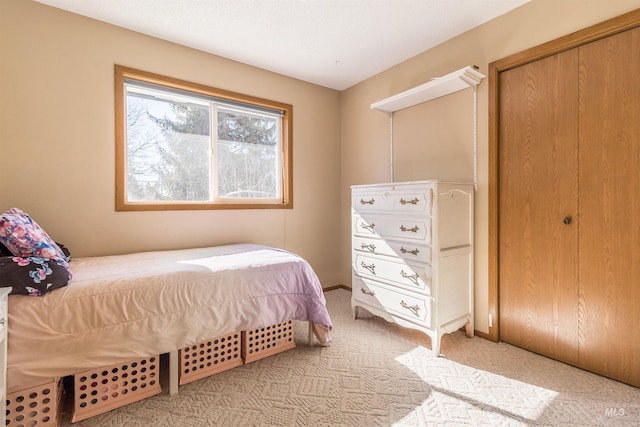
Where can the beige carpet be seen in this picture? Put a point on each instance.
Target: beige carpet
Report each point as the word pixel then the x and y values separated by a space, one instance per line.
pixel 378 374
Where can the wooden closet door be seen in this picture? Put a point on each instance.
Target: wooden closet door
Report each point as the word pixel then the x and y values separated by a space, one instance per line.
pixel 610 206
pixel 538 193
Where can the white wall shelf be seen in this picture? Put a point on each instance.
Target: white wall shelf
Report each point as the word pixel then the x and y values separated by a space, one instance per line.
pixel 440 86
pixel 464 78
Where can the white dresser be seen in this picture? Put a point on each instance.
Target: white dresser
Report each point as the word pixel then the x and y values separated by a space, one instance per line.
pixel 4 293
pixel 412 255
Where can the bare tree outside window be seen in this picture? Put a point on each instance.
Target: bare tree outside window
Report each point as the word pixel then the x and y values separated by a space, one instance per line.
pixel 247 157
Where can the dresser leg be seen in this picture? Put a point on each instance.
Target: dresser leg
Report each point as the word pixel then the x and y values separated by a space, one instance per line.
pixel 354 310
pixel 468 327
pixel 435 345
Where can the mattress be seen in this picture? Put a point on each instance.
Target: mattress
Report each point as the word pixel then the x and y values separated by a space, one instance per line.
pixel 132 306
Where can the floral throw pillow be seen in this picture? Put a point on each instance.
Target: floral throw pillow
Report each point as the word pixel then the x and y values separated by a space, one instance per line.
pixel 4 251
pixel 25 238
pixel 32 276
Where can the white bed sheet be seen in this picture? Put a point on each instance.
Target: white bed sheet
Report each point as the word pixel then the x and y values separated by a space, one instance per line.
pixel 127 306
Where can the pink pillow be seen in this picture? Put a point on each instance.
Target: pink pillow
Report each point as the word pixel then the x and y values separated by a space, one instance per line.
pixel 25 238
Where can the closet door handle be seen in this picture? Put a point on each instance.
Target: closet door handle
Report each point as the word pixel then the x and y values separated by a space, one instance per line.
pixel 567 220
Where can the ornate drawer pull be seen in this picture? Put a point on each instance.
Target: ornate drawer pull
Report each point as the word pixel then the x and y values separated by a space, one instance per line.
pixel 371 267
pixel 412 277
pixel 414 309
pixel 411 202
pixel 412 252
pixel 370 227
pixel 370 247
pixel 367 202
pixel 370 293
pixel 413 229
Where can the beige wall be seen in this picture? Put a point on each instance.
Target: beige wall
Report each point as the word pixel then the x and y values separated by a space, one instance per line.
pixel 434 140
pixel 57 146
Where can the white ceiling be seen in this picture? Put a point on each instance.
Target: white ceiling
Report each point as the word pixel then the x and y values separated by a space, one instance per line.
pixel 333 43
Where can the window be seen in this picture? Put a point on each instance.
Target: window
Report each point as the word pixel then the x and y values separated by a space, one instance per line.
pixel 181 145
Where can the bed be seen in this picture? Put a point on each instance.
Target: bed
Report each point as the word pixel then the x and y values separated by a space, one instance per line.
pixel 128 306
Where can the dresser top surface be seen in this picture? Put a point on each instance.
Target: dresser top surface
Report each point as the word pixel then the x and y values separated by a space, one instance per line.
pixel 423 182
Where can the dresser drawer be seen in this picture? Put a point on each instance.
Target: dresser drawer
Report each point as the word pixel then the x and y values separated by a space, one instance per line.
pixel 414 200
pixel 397 272
pixel 416 308
pixel 417 229
pixel 406 250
